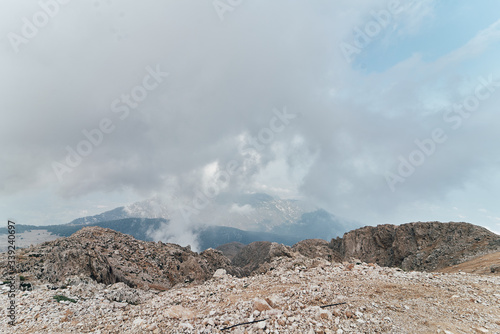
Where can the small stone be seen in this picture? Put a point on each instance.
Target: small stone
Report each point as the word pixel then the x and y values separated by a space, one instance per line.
pixel 324 315
pixel 261 325
pixel 120 305
pixel 187 325
pixel 179 312
pixel 138 322
pixel 273 301
pixel 260 305
pixel 349 314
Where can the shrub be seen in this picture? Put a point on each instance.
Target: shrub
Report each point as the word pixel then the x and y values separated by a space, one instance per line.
pixel 61 298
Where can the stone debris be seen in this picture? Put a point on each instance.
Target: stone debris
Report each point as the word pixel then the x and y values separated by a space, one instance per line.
pixel 287 298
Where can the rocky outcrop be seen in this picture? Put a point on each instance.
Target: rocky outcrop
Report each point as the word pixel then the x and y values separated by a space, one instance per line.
pixel 109 257
pixel 231 249
pixel 314 248
pixel 217 260
pixel 252 256
pixel 416 246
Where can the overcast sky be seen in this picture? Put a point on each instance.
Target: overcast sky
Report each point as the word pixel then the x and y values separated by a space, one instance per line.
pixel 378 111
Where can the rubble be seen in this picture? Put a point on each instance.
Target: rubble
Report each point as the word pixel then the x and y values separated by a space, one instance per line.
pixel 287 299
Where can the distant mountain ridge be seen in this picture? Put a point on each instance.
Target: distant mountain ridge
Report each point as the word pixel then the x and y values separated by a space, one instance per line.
pixel 150 208
pixel 144 229
pixel 241 218
pixel 107 256
pixel 139 228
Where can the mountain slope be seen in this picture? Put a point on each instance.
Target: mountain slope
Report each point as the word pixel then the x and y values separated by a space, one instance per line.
pixel 139 228
pixel 256 212
pixel 215 236
pixel 151 208
pixel 145 229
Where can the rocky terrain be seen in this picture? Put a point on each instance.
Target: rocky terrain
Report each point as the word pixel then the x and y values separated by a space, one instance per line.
pixel 102 281
pixel 109 257
pixel 293 296
pixel 417 246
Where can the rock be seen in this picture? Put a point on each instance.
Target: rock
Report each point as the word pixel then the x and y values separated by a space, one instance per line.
pixel 138 322
pixel 495 268
pixel 220 273
pixel 252 256
pixel 289 295
pixel 231 249
pixel 121 293
pixel 260 305
pixel 186 325
pixel 120 305
pixel 416 246
pixel 274 301
pixel 314 248
pixel 324 314
pixel 110 257
pixel 179 312
pixel 261 325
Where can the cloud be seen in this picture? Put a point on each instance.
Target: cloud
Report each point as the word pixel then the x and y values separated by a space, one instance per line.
pixel 243 209
pixel 226 79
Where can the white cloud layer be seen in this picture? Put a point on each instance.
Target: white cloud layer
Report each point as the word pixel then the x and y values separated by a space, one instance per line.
pixel 226 79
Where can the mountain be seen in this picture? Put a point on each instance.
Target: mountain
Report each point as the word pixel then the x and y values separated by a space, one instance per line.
pixel 215 236
pixel 264 213
pixel 144 229
pixel 151 208
pixel 243 218
pixel 235 217
pixel 107 256
pixel 314 286
pixel 139 228
pixel 99 280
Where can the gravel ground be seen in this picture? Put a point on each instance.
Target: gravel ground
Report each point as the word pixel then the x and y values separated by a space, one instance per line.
pixel 290 297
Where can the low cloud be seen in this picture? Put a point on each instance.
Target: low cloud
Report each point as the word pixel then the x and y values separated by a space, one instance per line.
pixel 226 79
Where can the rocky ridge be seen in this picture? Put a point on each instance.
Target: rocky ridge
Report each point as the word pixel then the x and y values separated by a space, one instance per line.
pixel 110 257
pixel 294 296
pixel 417 246
pixel 108 282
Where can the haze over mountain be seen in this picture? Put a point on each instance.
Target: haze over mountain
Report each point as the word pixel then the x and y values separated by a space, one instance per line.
pixel 367 109
pixel 286 221
pixel 243 218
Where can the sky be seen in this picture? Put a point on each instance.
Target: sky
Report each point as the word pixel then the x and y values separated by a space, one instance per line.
pixel 378 111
